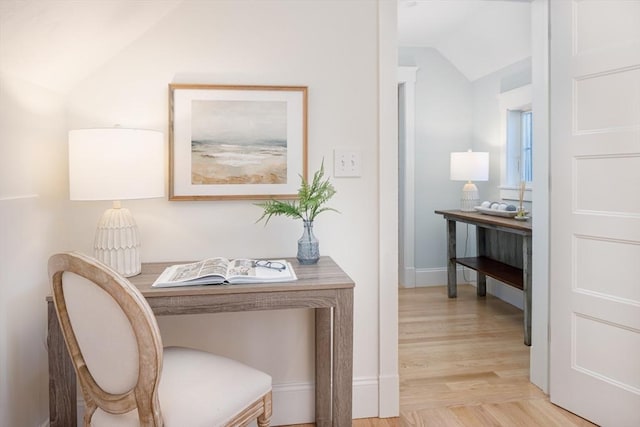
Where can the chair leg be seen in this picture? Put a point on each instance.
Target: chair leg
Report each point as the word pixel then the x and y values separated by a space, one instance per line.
pixel 264 420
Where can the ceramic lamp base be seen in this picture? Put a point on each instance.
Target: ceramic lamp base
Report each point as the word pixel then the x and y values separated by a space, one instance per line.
pixel 470 197
pixel 117 241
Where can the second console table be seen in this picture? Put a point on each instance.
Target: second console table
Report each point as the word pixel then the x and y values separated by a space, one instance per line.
pixel 503 248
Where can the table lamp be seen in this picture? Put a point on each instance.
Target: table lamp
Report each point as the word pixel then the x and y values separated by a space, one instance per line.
pixel 116 164
pixel 469 166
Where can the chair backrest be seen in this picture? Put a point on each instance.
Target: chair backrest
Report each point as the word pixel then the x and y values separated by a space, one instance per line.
pixel 112 337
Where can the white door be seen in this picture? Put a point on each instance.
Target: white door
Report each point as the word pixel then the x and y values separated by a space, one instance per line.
pixel 595 209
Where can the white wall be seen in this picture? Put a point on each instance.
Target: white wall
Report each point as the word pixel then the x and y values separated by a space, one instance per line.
pixel 486 116
pixel 444 121
pixel 486 137
pixel 32 122
pixel 265 43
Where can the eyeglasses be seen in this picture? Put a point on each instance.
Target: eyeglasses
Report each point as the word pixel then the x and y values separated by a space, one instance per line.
pixel 274 265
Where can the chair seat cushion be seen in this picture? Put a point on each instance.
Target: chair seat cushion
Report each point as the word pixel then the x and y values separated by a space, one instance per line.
pixel 203 389
pixel 198 389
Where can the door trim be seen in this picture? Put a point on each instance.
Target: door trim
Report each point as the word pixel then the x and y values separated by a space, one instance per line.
pixel 407 79
pixel 540 320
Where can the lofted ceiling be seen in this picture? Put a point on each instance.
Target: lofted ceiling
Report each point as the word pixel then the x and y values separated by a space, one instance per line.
pixel 477 36
pixel 56 43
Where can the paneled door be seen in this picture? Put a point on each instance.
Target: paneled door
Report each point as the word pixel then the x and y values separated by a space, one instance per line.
pixel 595 209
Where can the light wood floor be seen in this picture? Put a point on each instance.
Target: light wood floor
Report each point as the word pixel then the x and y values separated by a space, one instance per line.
pixel 463 363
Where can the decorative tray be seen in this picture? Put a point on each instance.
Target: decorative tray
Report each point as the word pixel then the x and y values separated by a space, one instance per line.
pixel 496 212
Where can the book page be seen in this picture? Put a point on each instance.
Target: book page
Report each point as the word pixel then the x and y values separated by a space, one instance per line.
pixel 241 267
pixel 246 271
pixel 186 272
pixel 214 267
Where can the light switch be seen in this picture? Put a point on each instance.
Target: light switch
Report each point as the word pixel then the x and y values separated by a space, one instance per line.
pixel 347 163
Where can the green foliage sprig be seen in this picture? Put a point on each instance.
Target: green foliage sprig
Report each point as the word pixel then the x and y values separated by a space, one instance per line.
pixel 310 202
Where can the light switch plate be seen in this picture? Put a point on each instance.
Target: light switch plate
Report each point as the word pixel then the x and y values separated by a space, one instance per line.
pixel 347 163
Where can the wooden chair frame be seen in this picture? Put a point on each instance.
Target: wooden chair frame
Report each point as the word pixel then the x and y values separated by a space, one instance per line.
pixel 144 395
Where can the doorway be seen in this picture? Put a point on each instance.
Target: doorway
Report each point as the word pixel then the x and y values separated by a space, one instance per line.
pixel 411 274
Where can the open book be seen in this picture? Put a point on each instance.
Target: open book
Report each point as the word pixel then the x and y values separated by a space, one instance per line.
pixel 216 271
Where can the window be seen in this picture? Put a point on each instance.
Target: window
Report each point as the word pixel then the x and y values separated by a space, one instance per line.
pixel 517 143
pixel 526 158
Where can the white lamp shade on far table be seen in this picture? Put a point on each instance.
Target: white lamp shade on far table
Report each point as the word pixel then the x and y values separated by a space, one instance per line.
pixel 116 164
pixel 469 166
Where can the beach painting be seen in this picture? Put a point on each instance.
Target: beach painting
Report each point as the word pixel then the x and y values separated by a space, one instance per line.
pixel 236 142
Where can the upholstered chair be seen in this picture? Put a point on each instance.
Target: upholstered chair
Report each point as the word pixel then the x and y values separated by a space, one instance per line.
pixel 126 377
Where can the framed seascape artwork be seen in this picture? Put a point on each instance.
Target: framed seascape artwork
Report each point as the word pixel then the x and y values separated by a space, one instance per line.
pixel 236 142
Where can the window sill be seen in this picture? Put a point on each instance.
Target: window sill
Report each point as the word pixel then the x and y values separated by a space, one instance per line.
pixel 510 192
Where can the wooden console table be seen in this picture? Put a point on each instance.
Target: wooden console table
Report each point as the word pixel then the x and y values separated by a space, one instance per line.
pixel 503 247
pixel 323 287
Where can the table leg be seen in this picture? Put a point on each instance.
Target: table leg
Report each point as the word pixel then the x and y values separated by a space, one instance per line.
pixel 451 256
pixel 481 250
pixel 323 367
pixel 526 282
pixel 343 359
pixel 62 376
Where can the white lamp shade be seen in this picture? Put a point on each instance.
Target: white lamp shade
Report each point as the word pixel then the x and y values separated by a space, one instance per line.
pixel 469 166
pixel 115 164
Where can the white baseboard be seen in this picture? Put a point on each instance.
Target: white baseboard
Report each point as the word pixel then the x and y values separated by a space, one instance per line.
pixel 422 277
pixel 389 396
pixel 294 403
pixel 506 293
pixel 438 276
pixel 408 277
pixel 431 277
pixel 365 397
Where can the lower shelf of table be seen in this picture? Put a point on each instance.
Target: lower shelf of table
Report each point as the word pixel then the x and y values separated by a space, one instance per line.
pixel 505 273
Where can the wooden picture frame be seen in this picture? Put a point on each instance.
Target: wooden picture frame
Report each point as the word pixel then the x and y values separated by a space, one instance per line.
pixel 236 142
